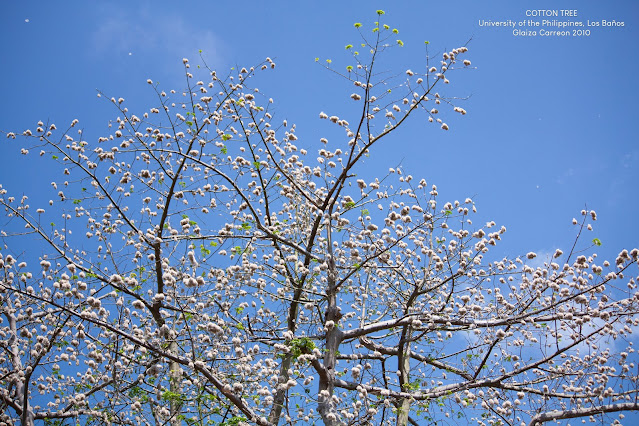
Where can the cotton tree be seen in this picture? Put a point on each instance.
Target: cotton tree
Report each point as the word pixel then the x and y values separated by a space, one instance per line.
pixel 198 265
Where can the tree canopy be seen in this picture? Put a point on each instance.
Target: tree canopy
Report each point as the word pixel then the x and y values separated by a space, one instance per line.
pixel 211 268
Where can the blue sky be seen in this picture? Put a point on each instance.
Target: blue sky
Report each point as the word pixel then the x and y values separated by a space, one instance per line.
pixel 550 127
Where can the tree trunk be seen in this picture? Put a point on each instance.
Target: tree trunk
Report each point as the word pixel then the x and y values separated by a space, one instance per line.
pixel 175 388
pixel 326 406
pixel 280 393
pixel 403 408
pixel 21 384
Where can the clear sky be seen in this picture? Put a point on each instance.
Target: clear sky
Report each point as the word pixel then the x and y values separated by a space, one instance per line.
pixel 551 125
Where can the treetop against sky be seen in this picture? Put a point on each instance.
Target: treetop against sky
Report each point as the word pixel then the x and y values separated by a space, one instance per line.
pixel 549 133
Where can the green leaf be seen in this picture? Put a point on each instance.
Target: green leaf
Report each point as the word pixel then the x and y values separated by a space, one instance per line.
pixel 395 31
pixel 55 157
pixel 380 12
pixel 316 59
pixel 401 43
pixel 226 137
pixel 172 396
pixel 357 25
pixel 349 68
pixel 596 242
pixel 234 421
pixel 349 46
pixel 412 386
pixel 386 27
pixel 427 42
pixel 302 345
